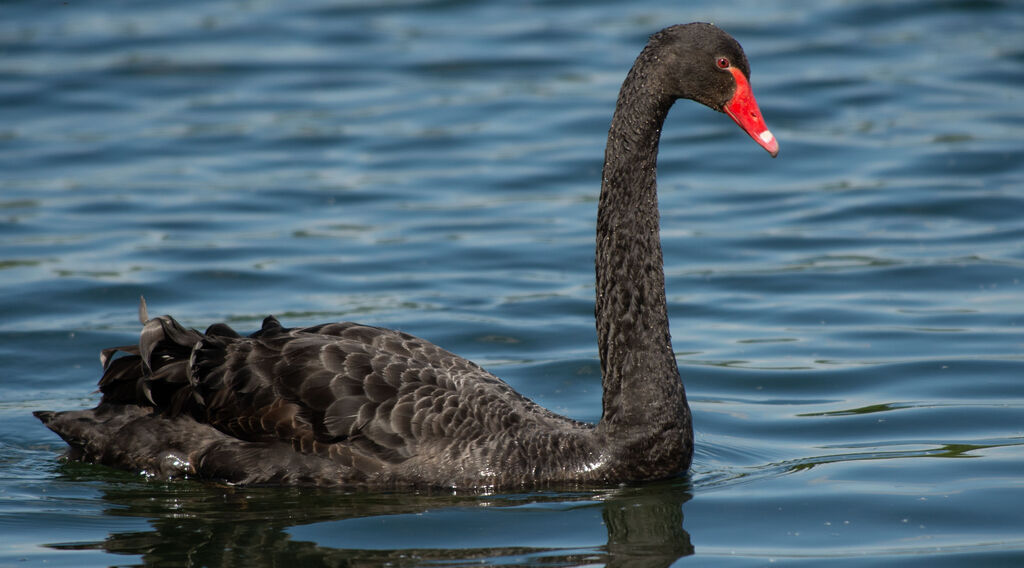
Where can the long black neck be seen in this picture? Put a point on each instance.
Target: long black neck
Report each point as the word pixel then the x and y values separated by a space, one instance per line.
pixel 643 393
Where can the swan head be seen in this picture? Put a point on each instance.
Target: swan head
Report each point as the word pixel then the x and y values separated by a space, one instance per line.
pixel 703 63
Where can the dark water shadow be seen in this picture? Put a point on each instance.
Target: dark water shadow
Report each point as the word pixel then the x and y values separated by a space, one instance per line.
pixel 193 524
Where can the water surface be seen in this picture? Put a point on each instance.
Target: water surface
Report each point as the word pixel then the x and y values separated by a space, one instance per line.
pixel 847 317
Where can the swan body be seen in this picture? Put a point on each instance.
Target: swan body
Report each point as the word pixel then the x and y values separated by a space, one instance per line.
pixel 355 405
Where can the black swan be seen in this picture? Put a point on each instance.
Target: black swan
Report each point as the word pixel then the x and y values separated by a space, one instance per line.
pixel 353 405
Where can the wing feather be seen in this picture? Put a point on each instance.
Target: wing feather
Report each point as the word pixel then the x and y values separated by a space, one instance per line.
pixel 367 399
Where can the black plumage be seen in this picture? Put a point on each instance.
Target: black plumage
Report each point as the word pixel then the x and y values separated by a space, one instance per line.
pixel 350 404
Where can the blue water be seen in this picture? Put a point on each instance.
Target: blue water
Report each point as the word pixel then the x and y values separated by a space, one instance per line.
pixel 848 317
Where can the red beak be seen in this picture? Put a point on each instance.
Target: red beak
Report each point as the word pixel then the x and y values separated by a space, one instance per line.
pixel 742 108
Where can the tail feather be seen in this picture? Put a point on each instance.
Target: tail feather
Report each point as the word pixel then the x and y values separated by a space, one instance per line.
pixel 136 439
pixel 131 437
pixel 143 311
pixel 157 372
pixel 163 339
pixel 152 416
pixel 122 381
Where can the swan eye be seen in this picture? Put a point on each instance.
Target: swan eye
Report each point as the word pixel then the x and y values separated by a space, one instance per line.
pixel 723 63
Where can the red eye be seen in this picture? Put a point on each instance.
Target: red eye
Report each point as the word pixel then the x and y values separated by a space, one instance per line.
pixel 723 63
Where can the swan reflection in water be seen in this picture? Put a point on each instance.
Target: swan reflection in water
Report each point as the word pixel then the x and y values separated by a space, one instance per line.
pixel 204 525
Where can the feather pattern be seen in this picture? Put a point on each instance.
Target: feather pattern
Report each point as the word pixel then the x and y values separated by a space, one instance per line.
pixel 375 406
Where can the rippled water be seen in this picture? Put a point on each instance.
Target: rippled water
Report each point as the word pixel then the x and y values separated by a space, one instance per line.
pixel 847 317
